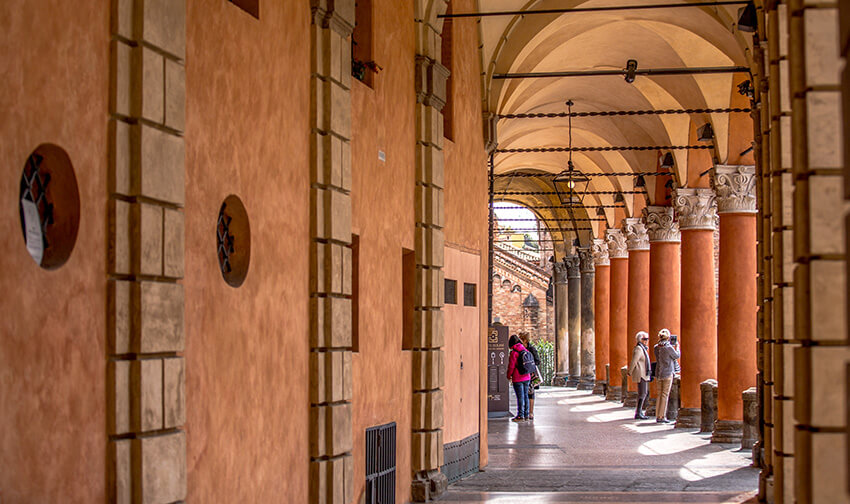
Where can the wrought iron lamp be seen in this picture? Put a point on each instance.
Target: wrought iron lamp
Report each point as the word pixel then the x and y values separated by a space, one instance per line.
pixel 570 184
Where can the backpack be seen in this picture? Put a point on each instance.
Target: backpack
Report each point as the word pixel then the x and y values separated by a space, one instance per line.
pixel 525 363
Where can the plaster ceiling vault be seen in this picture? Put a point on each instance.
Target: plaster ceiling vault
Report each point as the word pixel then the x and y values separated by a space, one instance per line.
pixel 656 38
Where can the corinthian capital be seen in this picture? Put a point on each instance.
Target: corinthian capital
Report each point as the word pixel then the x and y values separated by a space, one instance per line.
pixel 736 188
pixel 696 208
pixel 635 231
pixel 599 249
pixel 661 224
pixel 586 257
pixel 617 247
pixel 573 263
pixel 560 270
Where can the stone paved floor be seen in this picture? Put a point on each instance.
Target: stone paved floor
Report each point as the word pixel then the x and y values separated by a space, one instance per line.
pixel 581 448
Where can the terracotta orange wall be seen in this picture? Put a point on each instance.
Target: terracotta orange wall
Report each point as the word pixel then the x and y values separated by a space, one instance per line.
pixel 466 185
pixel 461 398
pixel 699 160
pixel 382 196
pixel 247 127
pixel 740 127
pixel 53 323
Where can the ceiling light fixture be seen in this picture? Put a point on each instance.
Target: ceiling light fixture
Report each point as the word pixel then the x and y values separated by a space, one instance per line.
pixel 631 68
pixel 568 183
pixel 640 182
pixel 667 161
pixel 705 133
pixel 747 20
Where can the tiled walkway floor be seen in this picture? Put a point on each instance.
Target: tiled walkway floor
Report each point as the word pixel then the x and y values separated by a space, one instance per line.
pixel 581 448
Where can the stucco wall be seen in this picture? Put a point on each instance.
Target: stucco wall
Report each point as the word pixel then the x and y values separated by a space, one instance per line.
pixel 247 348
pixel 53 323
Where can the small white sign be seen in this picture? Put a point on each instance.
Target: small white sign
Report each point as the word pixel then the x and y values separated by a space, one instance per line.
pixel 382 156
pixel 32 227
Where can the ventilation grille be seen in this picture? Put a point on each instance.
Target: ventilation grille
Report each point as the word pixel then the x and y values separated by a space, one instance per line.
pixel 380 464
pixel 461 458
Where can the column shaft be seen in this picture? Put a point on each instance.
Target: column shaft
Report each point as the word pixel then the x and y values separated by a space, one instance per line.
pixel 618 322
pixel 574 320
pixel 588 342
pixel 638 304
pixel 664 289
pixel 561 362
pixel 602 300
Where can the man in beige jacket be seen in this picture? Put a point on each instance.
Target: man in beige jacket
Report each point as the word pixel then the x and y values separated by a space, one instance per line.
pixel 639 370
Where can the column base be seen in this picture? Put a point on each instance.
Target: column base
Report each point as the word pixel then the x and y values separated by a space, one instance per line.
pixel 560 380
pixel 766 487
pixel 727 431
pixel 587 383
pixel 650 407
pixel 614 394
pixel 428 486
pixel 573 381
pixel 631 399
pixel 599 388
pixel 689 418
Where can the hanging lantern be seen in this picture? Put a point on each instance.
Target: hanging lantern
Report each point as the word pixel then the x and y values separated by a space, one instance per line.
pixel 571 185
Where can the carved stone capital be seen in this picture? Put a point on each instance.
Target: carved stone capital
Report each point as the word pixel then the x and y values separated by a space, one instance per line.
pixel 599 249
pixel 617 247
pixel 636 236
pixel 586 257
pixel 661 224
pixel 430 80
pixel 573 266
pixel 736 188
pixel 560 272
pixel 696 208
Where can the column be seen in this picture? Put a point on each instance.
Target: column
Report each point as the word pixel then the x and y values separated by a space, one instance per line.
pixel 145 341
pixel 819 169
pixel 736 304
pixel 427 354
pixel 601 302
pixel 561 355
pixel 698 340
pixel 664 274
pixel 331 437
pixel 637 241
pixel 588 342
pixel 574 318
pixel 618 254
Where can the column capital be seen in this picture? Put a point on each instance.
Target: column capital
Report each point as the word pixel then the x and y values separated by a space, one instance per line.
pixel 661 224
pixel 559 269
pixel 735 186
pixel 430 82
pixel 696 208
pixel 586 257
pixel 635 231
pixel 599 249
pixel 616 240
pixel 573 264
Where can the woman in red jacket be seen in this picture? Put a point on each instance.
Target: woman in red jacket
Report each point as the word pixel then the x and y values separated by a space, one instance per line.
pixel 520 381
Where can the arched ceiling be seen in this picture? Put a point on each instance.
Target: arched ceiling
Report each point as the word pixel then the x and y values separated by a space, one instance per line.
pixel 656 38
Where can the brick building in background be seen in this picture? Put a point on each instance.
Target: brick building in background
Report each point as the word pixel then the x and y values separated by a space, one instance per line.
pixel 520 299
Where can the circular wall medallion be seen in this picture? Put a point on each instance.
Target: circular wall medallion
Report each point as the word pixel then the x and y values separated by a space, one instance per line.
pixel 49 206
pixel 233 241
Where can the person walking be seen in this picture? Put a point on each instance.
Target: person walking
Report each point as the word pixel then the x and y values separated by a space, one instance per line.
pixel 665 356
pixel 639 371
pixel 526 341
pixel 519 380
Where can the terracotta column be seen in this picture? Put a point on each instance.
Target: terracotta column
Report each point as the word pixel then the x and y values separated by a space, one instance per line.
pixel 664 275
pixel 588 345
pixel 574 318
pixel 736 322
pixel 619 308
pixel 601 301
pixel 561 369
pixel 698 341
pixel 637 241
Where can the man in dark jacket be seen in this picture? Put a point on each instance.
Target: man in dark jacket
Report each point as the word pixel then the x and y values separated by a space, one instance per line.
pixel 665 357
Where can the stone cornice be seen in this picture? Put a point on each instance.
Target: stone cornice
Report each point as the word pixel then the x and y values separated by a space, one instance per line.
pixel 661 224
pixel 636 236
pixel 573 266
pixel 599 249
pixel 696 208
pixel 736 188
pixel 617 247
pixel 586 257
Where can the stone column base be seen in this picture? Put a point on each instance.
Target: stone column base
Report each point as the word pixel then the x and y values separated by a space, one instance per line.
pixel 727 431
pixel 428 486
pixel 573 381
pixel 599 388
pixel 560 380
pixel 587 383
pixel 650 407
pixel 631 399
pixel 766 487
pixel 689 418
pixel 614 394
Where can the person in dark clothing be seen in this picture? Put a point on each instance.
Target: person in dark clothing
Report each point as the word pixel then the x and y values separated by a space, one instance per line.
pixel 520 381
pixel 523 336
